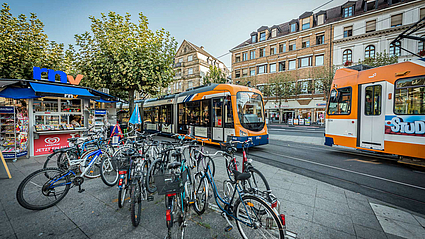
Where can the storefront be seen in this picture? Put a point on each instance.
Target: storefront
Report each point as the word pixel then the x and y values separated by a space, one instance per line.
pixel 45 115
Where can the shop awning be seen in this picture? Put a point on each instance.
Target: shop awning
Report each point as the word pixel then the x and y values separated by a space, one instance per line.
pixel 18 93
pixel 61 91
pixel 106 101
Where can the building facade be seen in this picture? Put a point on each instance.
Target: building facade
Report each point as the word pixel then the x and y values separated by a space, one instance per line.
pixel 370 26
pixel 296 48
pixel 191 66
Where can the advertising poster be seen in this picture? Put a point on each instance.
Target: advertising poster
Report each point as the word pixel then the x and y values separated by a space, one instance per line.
pixel 45 144
pixel 411 125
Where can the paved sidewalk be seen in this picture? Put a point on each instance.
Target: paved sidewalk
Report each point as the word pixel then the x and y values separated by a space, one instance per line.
pixel 298 139
pixel 313 209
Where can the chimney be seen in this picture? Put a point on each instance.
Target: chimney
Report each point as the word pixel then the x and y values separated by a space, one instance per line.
pixel 202 47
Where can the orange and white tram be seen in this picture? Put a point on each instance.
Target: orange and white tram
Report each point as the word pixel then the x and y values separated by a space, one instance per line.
pixel 380 109
pixel 217 112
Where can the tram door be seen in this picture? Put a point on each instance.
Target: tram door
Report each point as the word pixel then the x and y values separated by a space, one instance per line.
pixel 218 120
pixel 372 116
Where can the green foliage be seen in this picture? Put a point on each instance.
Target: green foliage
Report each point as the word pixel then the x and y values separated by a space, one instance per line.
pixel 282 86
pixel 323 77
pixel 215 75
pixel 380 59
pixel 124 56
pixel 23 45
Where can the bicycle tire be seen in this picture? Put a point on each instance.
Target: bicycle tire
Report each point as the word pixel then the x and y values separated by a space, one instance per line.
pixel 109 171
pixel 259 182
pixel 251 203
pixel 136 203
pixel 94 171
pixel 201 188
pixel 45 189
pixel 122 192
pixel 176 229
pixel 153 169
pixel 52 157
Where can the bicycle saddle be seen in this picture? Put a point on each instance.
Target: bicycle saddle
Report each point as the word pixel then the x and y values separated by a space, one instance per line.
pixel 61 150
pixel 129 152
pixel 174 165
pixel 72 140
pixel 240 176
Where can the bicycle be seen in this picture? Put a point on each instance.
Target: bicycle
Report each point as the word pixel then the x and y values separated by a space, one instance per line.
pixel 249 211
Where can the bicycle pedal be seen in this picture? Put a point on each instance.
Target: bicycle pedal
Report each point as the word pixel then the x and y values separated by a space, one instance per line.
pixel 228 228
pixel 150 198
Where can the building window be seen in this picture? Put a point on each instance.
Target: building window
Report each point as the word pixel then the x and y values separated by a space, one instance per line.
pixel 238 58
pixel 348 31
pixel 180 60
pixel 291 65
pixel 422 13
pixel 293 27
pixel 348 11
pixel 369 51
pixel 305 86
pixel 273 68
pixel 320 60
pixel 244 72
pixel 189 58
pixel 273 50
pixel 263 36
pixel 320 39
pixel 282 47
pixel 252 71
pixel 395 49
pixel 282 66
pixel 305 61
pixel 321 19
pixel 396 20
pixel 252 54
pixel 292 46
pixel 421 45
pixel 237 73
pixel 190 84
pixel 306 23
pixel 253 38
pixel 371 26
pixel 305 42
pixel 262 52
pixel 245 56
pixel 190 71
pixel 261 69
pixel 347 56
pixel 274 32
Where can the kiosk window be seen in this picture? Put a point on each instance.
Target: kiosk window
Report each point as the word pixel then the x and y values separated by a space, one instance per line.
pixel 410 96
pixel 46 105
pixel 373 99
pixel 340 102
pixel 70 105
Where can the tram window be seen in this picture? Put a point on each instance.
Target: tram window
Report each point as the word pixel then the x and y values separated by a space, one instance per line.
pixel 340 105
pixel 373 100
pixel 193 110
pixel 147 114
pixel 182 116
pixel 250 110
pixel 228 114
pixel 410 96
pixel 155 114
pixel 217 112
pixel 205 113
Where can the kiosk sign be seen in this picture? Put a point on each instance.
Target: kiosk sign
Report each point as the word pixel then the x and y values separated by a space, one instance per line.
pixel 47 143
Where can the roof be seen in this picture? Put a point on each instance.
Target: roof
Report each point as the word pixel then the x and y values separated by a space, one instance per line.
pixel 306 14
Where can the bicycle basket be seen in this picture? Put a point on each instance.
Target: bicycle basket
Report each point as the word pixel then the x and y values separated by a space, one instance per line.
pixel 228 147
pixel 170 183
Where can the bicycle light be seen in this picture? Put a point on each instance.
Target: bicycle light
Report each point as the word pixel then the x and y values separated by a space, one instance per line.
pixel 282 219
pixel 168 215
pixel 274 204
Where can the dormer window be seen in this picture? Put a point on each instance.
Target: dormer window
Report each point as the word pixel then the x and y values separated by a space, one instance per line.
pixel 321 19
pixel 254 38
pixel 274 32
pixel 263 36
pixel 348 11
pixel 306 23
pixel 293 27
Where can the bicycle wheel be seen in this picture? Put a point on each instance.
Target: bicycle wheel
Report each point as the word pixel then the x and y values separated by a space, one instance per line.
pixel 136 203
pixel 109 170
pixel 256 219
pixel 155 168
pixel 65 158
pixel 43 188
pixel 200 195
pixel 52 160
pixel 176 229
pixel 257 181
pixel 122 193
pixel 204 162
pixel 94 170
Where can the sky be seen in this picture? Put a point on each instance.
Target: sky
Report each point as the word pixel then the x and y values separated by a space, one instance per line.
pixel 218 25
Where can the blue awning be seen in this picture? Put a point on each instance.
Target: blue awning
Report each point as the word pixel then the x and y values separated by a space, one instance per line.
pixel 18 93
pixel 106 101
pixel 61 91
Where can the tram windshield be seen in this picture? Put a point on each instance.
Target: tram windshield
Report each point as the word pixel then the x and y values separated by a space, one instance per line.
pixel 250 110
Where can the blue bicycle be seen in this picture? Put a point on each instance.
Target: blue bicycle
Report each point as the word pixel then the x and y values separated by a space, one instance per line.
pixel 46 187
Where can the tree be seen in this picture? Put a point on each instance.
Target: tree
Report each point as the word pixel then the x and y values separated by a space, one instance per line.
pixel 381 59
pixel 23 45
pixel 282 86
pixel 323 77
pixel 215 75
pixel 124 56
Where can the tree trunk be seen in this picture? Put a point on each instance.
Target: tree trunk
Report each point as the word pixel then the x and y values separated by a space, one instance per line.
pixel 131 101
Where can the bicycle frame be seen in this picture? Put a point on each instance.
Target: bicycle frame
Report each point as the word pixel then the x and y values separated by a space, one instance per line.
pixel 217 196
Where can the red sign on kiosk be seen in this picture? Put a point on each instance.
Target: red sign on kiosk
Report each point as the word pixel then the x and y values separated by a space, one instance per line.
pixel 46 143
